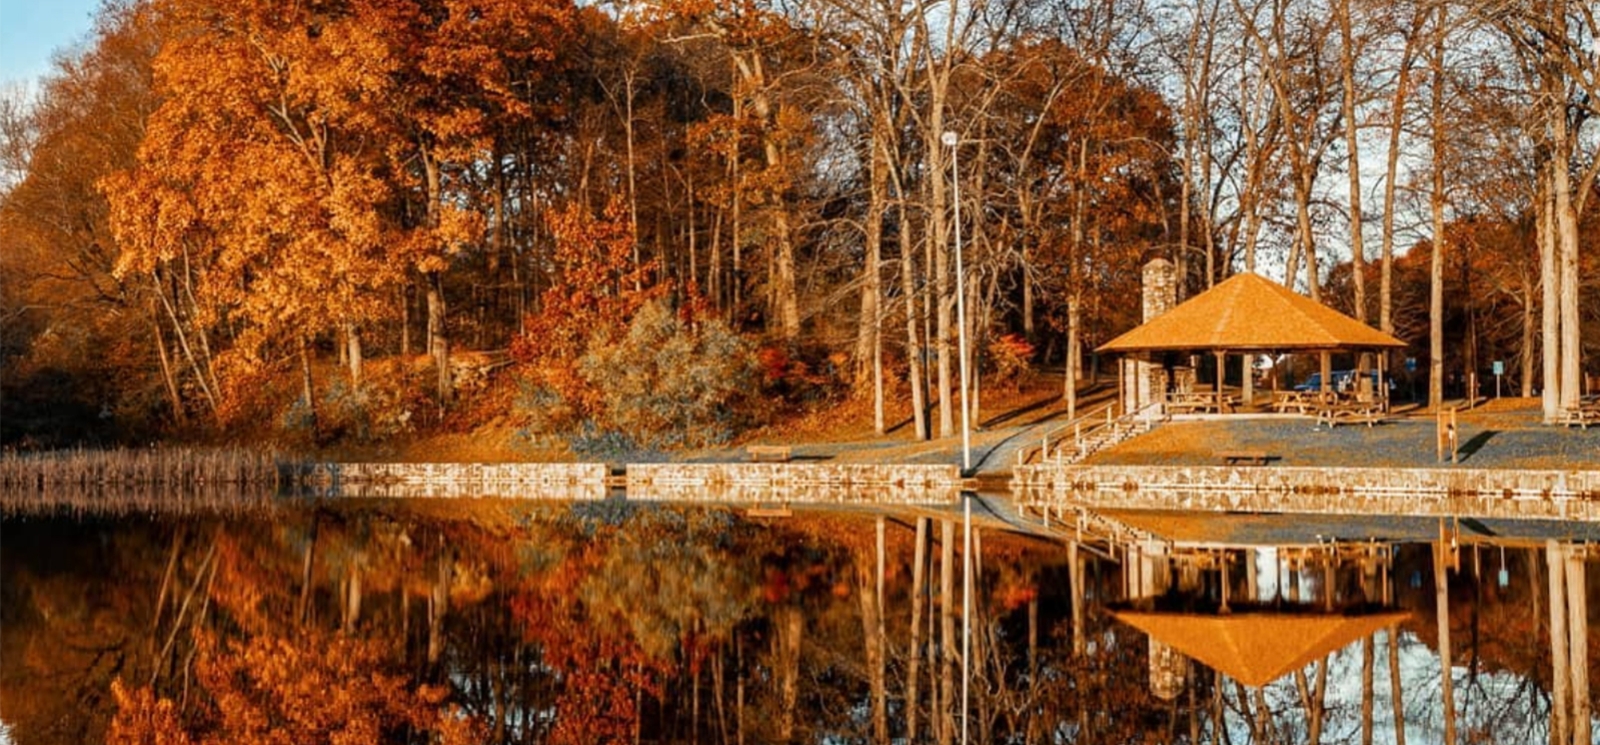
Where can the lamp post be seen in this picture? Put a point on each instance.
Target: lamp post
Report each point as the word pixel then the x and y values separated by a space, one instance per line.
pixel 951 140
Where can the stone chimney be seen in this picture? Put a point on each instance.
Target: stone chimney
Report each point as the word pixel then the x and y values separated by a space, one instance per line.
pixel 1145 383
pixel 1160 288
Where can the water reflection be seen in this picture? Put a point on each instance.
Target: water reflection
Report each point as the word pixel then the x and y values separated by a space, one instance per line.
pixel 478 620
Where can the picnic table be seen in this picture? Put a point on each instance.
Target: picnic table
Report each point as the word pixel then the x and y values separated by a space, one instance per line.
pixel 1587 412
pixel 1249 457
pixel 1336 413
pixel 1300 402
pixel 773 453
pixel 1185 402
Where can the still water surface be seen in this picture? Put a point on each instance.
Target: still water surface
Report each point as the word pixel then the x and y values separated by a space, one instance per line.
pixel 519 621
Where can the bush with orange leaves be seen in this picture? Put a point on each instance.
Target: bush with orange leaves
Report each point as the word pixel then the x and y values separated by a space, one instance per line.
pixel 1011 356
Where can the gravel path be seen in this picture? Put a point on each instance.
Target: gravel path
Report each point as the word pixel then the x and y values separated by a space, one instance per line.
pixel 1501 435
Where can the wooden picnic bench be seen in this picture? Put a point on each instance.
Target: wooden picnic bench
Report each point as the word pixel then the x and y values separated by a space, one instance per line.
pixel 1248 457
pixel 1295 401
pixel 1201 401
pixel 769 511
pixel 774 453
pixel 1579 416
pixel 1334 415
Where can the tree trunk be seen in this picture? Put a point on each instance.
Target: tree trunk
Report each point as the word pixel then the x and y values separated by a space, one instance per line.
pixel 870 319
pixel 169 378
pixel 1397 118
pixel 200 365
pixel 1529 336
pixel 438 341
pixel 1550 280
pixel 307 389
pixel 1436 202
pixel 1352 143
pixel 938 244
pixel 916 352
pixel 352 345
pixel 1563 141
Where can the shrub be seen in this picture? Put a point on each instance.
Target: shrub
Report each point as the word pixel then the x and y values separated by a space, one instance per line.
pixel 670 381
pixel 803 375
pixel 1011 356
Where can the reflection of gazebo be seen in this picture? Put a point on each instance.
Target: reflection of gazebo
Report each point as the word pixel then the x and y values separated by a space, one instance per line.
pixel 1256 648
pixel 1248 314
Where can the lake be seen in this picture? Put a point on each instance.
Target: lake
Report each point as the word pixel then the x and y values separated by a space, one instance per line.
pixel 616 620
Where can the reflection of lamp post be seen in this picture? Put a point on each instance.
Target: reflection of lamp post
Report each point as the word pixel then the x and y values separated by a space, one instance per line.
pixel 951 140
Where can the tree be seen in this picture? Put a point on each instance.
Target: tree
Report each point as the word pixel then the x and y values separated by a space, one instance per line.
pixel 1554 45
pixel 79 343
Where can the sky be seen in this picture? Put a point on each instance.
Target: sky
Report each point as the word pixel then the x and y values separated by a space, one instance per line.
pixel 32 30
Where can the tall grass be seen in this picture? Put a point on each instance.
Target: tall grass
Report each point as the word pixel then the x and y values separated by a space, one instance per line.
pixel 157 479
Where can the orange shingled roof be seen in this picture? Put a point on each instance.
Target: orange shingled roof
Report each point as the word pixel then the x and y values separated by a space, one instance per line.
pixel 1250 313
pixel 1256 648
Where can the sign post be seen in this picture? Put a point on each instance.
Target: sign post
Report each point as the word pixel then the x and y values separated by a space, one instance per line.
pixel 1445 434
pixel 1499 370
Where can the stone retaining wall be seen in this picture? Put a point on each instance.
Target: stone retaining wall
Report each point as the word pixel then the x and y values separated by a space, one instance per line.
pixel 832 483
pixel 1320 480
pixel 823 483
pixel 1398 491
pixel 559 481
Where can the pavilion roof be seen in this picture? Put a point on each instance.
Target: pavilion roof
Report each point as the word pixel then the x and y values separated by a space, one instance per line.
pixel 1249 313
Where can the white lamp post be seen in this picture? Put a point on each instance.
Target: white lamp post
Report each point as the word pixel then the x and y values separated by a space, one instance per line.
pixel 951 140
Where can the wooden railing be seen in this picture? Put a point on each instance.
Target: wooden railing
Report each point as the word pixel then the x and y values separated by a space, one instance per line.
pixel 1079 437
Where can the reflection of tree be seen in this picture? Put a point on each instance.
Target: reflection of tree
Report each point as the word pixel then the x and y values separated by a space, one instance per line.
pixel 668 576
pixel 314 688
pixel 614 621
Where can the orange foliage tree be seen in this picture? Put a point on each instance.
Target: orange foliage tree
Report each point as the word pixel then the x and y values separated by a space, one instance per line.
pixel 276 192
pixel 598 291
pixel 262 191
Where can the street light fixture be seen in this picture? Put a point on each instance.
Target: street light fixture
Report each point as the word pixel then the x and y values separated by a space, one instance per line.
pixel 952 141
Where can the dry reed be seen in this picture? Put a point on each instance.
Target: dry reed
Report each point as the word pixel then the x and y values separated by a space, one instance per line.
pixel 157 479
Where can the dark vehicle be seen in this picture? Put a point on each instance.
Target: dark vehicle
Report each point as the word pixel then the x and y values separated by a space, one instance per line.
pixel 1343 380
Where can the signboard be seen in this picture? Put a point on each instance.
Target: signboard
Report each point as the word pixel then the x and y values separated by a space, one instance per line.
pixel 1499 367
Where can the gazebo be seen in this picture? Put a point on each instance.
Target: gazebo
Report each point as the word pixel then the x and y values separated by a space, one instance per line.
pixel 1245 314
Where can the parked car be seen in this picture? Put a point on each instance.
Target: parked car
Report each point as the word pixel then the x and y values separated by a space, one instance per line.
pixel 1343 380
